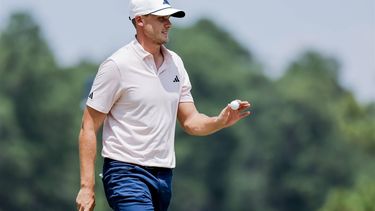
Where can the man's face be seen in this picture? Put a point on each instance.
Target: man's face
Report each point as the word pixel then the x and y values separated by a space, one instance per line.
pixel 156 28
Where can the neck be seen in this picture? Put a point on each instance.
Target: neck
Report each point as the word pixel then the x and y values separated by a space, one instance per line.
pixel 149 46
pixel 154 49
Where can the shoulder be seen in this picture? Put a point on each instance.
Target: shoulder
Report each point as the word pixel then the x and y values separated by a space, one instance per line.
pixel 109 69
pixel 123 57
pixel 121 53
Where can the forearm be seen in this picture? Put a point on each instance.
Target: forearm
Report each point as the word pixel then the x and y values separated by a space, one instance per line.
pixel 200 125
pixel 87 155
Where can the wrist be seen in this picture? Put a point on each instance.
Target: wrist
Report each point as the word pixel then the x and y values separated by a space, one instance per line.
pixel 218 123
pixel 88 185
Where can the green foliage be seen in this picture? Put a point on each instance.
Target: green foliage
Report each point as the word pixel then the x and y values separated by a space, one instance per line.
pixel 358 123
pixel 211 58
pixel 308 144
pixel 37 114
pixel 359 198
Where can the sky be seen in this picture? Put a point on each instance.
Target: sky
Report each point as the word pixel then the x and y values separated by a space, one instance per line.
pixel 275 31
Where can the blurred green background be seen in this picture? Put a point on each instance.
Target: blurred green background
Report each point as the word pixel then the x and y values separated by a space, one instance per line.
pixel 309 144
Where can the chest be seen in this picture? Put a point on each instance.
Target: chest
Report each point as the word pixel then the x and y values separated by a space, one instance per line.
pixel 144 85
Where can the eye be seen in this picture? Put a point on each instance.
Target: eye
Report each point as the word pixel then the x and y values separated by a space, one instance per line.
pixel 163 18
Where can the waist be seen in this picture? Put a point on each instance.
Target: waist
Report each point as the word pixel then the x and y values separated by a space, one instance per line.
pixel 153 154
pixel 151 169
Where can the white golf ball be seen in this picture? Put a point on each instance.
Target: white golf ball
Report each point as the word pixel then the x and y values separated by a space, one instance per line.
pixel 234 105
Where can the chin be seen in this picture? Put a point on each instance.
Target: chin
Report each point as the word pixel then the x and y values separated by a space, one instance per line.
pixel 163 41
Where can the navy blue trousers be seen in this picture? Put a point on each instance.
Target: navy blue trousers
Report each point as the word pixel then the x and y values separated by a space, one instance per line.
pixel 130 187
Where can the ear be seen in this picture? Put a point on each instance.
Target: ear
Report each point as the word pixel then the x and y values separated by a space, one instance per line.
pixel 139 21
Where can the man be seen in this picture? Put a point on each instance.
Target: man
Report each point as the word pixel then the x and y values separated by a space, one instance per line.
pixel 138 94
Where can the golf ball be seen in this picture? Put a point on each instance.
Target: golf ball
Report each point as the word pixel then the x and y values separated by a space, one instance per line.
pixel 234 105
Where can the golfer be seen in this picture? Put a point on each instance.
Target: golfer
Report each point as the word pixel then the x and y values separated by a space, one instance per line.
pixel 138 94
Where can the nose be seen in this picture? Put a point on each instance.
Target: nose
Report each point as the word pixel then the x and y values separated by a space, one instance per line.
pixel 167 23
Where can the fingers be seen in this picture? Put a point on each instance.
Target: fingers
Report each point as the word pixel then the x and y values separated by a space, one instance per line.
pixel 85 208
pixel 85 201
pixel 80 208
pixel 229 116
pixel 244 114
pixel 244 105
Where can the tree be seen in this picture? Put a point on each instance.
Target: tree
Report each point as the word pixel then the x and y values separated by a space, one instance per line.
pixel 36 99
pixel 359 198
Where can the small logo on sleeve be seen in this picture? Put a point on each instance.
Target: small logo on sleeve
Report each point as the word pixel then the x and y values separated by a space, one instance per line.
pixel 176 79
pixel 91 95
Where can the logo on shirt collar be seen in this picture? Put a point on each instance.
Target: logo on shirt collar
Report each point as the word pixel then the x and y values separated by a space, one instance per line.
pixel 176 79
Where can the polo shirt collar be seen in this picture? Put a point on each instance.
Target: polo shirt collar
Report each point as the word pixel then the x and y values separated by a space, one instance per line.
pixel 143 53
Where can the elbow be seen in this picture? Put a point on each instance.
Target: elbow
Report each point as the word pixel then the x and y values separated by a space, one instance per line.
pixel 189 128
pixel 194 130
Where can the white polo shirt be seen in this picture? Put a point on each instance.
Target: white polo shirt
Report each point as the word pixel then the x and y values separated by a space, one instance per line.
pixel 141 104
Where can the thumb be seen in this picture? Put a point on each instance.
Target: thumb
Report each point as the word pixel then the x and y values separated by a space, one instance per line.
pixel 224 114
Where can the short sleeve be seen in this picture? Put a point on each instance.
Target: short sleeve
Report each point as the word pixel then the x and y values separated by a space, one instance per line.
pixel 186 88
pixel 106 87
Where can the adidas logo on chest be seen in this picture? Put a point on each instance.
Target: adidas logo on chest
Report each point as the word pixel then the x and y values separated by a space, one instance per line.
pixel 176 79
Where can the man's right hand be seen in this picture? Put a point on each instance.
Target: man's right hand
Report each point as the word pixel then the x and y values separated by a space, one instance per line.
pixel 85 199
pixel 91 122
